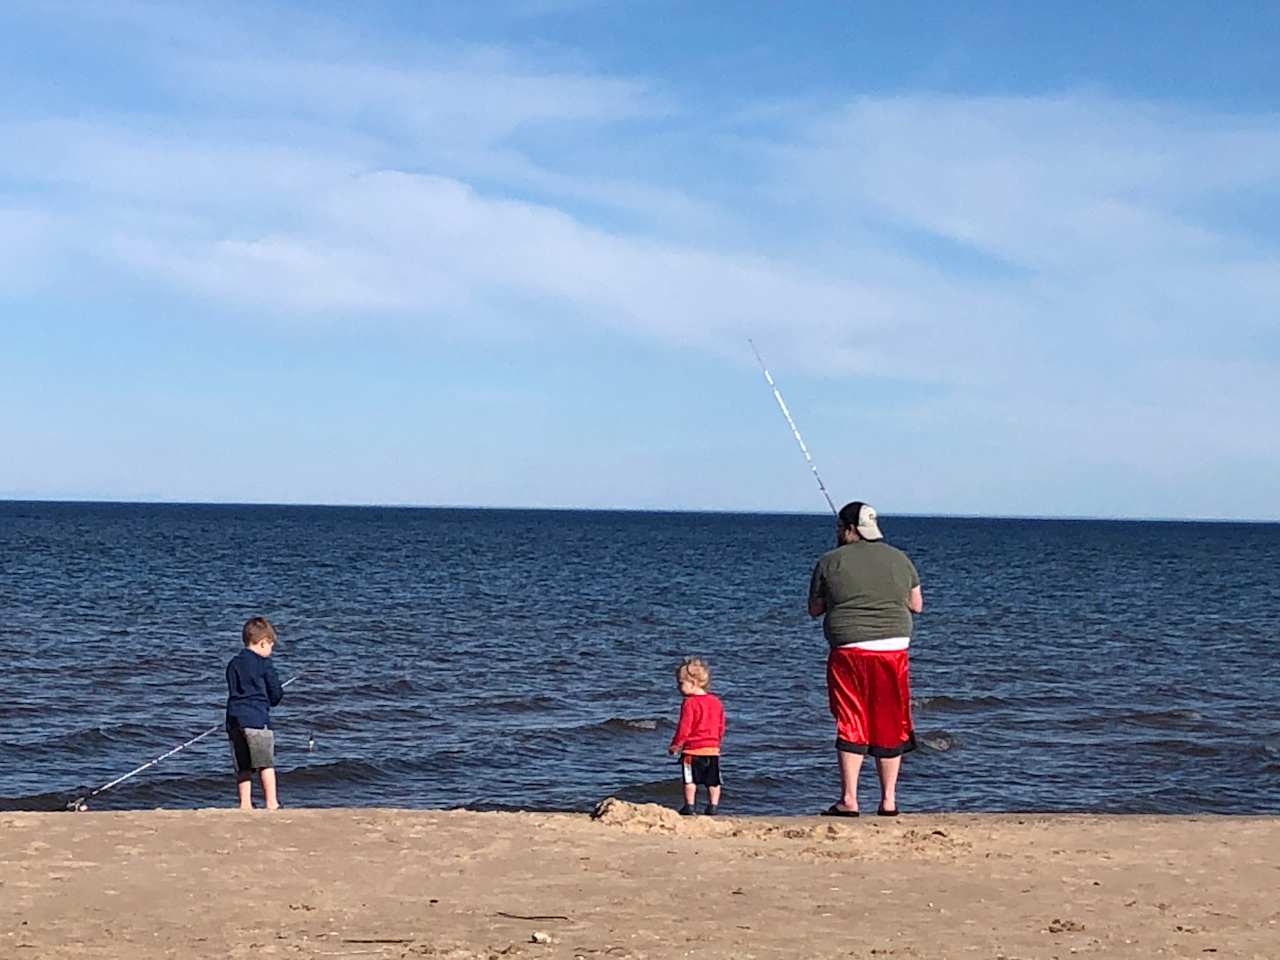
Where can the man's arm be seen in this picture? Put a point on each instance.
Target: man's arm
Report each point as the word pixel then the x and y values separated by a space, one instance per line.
pixel 817 601
pixel 915 600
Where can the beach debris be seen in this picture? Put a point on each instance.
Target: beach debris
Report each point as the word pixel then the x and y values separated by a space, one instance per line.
pixel 520 916
pixel 1057 925
pixel 607 808
pixel 540 936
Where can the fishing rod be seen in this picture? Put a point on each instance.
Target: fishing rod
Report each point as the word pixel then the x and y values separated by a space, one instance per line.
pixel 795 431
pixel 81 804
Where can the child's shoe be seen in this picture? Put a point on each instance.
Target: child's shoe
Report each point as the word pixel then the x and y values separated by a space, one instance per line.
pixel 686 811
pixel 711 810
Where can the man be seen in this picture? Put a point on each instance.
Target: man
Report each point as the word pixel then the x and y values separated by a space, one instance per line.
pixel 866 591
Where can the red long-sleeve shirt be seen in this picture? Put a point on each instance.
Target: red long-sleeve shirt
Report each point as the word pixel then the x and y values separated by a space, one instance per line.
pixel 701 723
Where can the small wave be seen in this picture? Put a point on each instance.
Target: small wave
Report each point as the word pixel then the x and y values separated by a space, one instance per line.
pixel 350 771
pixel 1159 718
pixel 86 739
pixel 938 741
pixel 40 802
pixel 958 704
pixel 668 790
pixel 15 711
pixel 509 704
pixel 1177 719
pixel 780 614
pixel 490 806
pixel 631 724
pixel 379 688
pixel 1184 748
pixel 204 788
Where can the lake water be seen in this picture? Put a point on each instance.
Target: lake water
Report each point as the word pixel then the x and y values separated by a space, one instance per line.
pixel 523 658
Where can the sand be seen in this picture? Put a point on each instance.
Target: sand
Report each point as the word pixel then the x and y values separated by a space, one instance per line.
pixel 639 882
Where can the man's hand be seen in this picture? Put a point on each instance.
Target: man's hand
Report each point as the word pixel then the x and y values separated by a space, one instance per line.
pixel 675 749
pixel 915 600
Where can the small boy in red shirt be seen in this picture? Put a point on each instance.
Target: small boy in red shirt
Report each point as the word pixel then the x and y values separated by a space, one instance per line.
pixel 698 735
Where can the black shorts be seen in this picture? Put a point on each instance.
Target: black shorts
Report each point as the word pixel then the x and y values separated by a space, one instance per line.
pixel 704 771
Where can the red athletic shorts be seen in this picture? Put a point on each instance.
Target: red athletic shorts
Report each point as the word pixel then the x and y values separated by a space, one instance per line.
pixel 870 696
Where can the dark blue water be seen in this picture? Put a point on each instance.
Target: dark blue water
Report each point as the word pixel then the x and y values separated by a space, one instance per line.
pixel 517 658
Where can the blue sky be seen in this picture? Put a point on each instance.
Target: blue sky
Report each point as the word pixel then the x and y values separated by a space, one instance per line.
pixel 1003 259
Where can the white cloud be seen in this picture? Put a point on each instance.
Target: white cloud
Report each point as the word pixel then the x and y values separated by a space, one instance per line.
pixel 1041 182
pixel 1092 247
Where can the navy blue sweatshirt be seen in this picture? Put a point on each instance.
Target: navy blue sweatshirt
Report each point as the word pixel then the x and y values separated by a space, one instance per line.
pixel 252 690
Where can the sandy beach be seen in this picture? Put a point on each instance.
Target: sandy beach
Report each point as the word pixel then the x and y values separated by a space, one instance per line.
pixel 638 882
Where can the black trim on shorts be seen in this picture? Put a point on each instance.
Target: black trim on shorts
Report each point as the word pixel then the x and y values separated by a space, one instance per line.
pixel 883 753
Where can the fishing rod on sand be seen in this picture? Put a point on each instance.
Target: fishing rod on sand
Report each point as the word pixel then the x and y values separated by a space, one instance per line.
pixel 795 431
pixel 80 804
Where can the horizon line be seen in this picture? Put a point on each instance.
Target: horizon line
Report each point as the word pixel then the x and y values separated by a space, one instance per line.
pixel 656 510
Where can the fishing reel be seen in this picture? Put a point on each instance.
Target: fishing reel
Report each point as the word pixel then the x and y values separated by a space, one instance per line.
pixel 78 805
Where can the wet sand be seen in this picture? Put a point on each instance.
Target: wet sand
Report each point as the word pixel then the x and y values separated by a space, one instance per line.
pixel 640 882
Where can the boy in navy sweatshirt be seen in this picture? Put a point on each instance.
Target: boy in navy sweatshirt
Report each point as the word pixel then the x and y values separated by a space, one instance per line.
pixel 252 690
pixel 698 734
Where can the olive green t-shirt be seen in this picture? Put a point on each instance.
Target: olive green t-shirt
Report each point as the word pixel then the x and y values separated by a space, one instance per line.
pixel 865 585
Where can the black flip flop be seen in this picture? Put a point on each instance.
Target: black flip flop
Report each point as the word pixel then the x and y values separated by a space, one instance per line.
pixel 882 812
pixel 835 811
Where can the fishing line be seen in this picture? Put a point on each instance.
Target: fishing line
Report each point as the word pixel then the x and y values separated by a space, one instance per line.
pixel 82 803
pixel 795 431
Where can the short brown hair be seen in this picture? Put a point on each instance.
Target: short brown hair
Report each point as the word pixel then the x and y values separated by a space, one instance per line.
pixel 695 670
pixel 257 630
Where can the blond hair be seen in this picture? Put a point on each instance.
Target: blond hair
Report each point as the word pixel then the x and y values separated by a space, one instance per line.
pixel 695 671
pixel 258 630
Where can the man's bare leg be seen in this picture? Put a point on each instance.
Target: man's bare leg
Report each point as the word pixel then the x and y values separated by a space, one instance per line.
pixel 850 766
pixel 244 787
pixel 887 768
pixel 268 777
pixel 690 794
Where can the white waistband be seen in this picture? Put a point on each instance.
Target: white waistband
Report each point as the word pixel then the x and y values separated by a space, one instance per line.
pixel 880 646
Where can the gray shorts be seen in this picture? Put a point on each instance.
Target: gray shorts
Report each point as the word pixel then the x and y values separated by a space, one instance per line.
pixel 252 748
